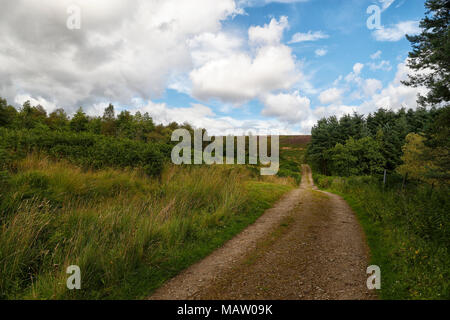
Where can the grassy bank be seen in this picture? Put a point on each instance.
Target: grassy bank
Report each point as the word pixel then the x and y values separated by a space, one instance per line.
pixel 126 231
pixel 407 231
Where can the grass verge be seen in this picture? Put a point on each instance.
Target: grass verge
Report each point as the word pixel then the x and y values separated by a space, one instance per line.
pixel 127 232
pixel 407 232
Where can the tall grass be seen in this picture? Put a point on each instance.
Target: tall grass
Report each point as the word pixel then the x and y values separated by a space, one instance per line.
pixel 127 232
pixel 408 231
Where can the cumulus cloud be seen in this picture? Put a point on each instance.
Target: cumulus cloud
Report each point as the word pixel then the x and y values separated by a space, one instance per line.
pixel 332 95
pixel 354 75
pixel 337 110
pixel 123 49
pixel 395 95
pixel 209 46
pixel 371 86
pixel 201 116
pixel 371 93
pixel 268 34
pixel 397 31
pixel 239 77
pixel 288 107
pixel 242 75
pixel 309 36
pixel 357 68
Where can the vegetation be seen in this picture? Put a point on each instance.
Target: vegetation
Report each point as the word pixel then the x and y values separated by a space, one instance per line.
pixel 406 217
pixel 354 145
pixel 292 156
pixel 128 232
pixel 406 220
pixel 101 193
pixel 431 49
pixel 408 231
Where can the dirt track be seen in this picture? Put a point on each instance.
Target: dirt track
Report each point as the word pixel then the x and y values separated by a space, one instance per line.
pixel 308 246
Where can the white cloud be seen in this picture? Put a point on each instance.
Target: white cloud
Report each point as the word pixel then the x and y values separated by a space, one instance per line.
pixel 242 75
pixel 385 4
pixel 357 68
pixel 321 52
pixel 382 65
pixel 209 46
pixel 49 106
pixel 239 77
pixel 332 95
pixel 371 86
pixel 252 3
pixel 354 75
pixel 123 49
pixel 376 55
pixel 395 95
pixel 373 94
pixel 269 34
pixel 337 110
pixel 291 108
pixel 397 32
pixel 309 36
pixel 201 116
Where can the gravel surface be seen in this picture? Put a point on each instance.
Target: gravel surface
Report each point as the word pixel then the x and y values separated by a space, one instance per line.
pixel 308 246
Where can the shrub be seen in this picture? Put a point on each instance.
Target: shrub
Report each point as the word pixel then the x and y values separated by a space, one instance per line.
pixel 86 149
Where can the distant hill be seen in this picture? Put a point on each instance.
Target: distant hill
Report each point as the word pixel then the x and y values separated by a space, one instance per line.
pixel 295 141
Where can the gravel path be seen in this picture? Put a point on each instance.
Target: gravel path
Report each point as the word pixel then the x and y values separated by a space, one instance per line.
pixel 308 246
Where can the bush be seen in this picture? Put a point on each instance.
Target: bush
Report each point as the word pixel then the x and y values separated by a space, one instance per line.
pixel 408 231
pixel 86 149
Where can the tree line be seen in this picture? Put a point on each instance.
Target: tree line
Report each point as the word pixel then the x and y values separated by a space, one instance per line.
pixel 415 143
pixel 121 141
pixel 356 145
pixel 123 125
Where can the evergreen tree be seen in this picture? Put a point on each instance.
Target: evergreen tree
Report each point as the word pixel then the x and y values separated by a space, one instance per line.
pixel 431 52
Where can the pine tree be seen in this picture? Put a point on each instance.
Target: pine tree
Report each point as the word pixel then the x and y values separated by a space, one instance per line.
pixel 430 54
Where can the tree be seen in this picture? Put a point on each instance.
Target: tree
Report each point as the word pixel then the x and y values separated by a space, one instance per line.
pixel 324 136
pixel 357 157
pixel 430 54
pixel 7 113
pixel 438 142
pixel 344 162
pixel 144 126
pixel 79 121
pixel 414 164
pixel 109 113
pixel 125 125
pixel 95 125
pixel 57 120
pixel 109 121
pixel 31 116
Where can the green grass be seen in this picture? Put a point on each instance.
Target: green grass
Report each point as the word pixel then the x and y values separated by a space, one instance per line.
pixel 407 232
pixel 129 233
pixel 292 156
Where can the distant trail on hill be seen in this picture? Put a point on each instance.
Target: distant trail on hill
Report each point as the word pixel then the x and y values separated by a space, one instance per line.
pixel 308 246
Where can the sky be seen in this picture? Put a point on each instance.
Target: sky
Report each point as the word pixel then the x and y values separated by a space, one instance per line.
pixel 222 65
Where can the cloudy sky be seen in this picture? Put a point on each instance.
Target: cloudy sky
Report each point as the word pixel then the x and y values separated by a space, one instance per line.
pixel 219 64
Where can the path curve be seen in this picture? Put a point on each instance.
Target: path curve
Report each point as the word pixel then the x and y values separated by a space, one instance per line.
pixel 308 246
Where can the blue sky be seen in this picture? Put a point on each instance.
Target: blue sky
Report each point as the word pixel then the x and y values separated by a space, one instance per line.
pixel 224 64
